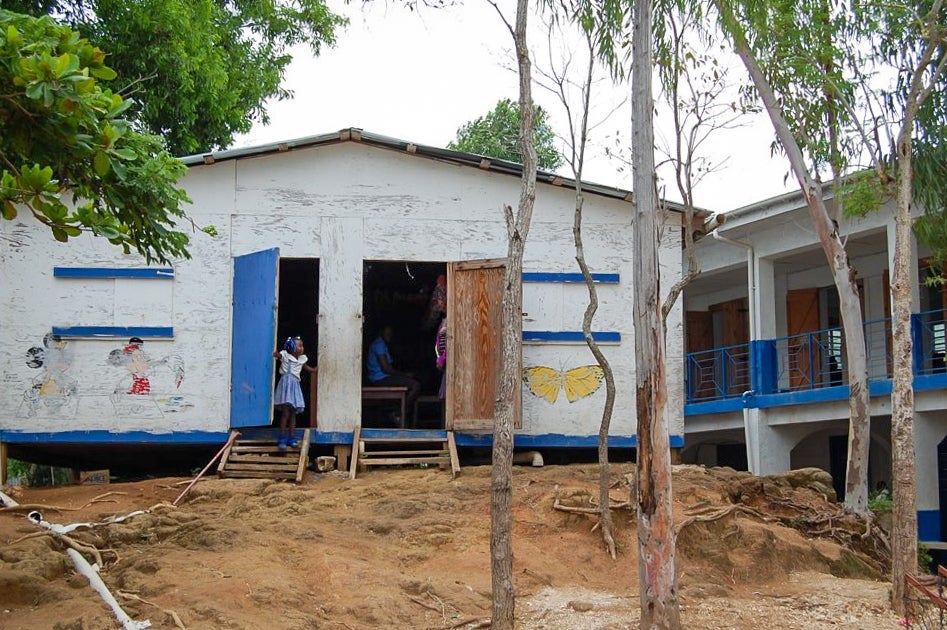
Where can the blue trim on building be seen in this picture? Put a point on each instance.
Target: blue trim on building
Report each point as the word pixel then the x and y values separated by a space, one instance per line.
pixel 570 335
pixel 108 437
pixel 713 406
pixel 807 396
pixel 546 276
pixel 152 273
pixel 152 332
pixel 546 440
pixel 928 525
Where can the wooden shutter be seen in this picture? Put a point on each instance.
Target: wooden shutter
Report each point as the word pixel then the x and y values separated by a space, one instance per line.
pixel 474 353
pixel 802 308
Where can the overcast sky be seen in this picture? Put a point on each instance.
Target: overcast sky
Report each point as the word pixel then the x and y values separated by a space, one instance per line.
pixel 420 75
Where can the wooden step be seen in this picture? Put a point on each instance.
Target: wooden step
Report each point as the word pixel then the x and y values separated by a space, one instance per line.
pixel 389 452
pixel 368 453
pixel 260 458
pixel 406 461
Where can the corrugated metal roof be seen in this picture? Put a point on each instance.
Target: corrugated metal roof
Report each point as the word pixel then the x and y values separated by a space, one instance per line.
pixel 353 134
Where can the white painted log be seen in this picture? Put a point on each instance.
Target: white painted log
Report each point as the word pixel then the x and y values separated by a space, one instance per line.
pixel 533 458
pixel 91 574
pixel 7 500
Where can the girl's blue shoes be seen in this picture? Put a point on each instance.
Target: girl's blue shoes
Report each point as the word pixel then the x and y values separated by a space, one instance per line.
pixel 286 441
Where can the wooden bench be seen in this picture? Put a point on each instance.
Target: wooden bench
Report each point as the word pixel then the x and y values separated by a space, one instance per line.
pixel 395 394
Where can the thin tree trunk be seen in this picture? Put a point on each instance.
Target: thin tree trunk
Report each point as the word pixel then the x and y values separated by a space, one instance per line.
pixel 605 514
pixel 501 494
pixel 657 578
pixel 904 490
pixel 856 478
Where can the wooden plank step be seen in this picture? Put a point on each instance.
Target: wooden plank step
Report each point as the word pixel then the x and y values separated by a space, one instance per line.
pixel 396 461
pixel 257 474
pixel 403 440
pixel 256 442
pixel 368 453
pixel 263 449
pixel 292 458
pixel 291 466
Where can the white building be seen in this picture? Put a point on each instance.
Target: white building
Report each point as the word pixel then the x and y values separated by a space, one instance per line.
pixel 765 365
pixel 357 228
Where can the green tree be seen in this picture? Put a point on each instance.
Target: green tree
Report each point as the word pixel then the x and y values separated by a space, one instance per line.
pixel 497 135
pixel 200 70
pixel 63 134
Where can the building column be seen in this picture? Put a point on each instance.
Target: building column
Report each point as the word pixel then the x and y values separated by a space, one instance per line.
pixel 768 449
pixel 929 432
pixel 764 293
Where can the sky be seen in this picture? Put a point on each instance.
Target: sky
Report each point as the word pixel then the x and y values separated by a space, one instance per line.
pixel 420 75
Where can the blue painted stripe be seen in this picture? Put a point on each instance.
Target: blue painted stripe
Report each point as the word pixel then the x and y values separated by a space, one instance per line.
pixel 570 335
pixel 109 437
pixel 153 332
pixel 545 276
pixel 713 406
pixel 808 396
pixel 548 440
pixel 154 273
pixel 928 525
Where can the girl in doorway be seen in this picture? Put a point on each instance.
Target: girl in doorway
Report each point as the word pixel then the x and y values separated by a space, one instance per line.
pixel 289 395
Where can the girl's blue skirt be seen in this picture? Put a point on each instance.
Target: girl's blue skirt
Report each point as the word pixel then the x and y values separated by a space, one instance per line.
pixel 288 392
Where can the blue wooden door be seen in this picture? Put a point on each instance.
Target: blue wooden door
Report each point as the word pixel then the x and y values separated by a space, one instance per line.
pixel 255 282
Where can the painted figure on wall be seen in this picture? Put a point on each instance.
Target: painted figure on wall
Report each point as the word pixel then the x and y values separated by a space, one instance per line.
pixel 133 395
pixel 579 382
pixel 54 391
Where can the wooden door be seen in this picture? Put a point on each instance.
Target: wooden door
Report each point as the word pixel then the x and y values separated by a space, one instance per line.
pixel 474 353
pixel 733 369
pixel 699 337
pixel 802 316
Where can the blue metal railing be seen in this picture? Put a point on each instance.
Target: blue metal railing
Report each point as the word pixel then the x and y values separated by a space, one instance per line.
pixel 719 373
pixel 808 361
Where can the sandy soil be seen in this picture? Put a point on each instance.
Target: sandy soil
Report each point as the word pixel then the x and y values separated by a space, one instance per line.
pixel 409 548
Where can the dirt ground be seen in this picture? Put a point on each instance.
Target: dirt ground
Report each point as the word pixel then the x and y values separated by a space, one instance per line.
pixel 409 548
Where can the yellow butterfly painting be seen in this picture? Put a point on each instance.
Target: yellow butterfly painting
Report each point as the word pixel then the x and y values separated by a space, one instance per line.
pixel 578 382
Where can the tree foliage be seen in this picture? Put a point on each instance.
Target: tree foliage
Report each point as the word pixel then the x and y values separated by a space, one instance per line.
pixel 496 134
pixel 63 134
pixel 200 70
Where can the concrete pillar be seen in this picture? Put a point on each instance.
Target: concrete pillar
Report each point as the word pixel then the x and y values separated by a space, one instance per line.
pixel 929 431
pixel 765 295
pixel 768 448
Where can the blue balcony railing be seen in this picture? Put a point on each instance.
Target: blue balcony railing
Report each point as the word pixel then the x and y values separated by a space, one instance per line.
pixel 808 361
pixel 719 373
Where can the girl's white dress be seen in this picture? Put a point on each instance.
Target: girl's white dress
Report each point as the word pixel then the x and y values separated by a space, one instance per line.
pixel 288 390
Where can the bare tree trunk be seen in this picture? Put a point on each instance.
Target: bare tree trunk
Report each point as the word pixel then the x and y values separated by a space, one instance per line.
pixel 501 495
pixel 605 513
pixel 904 490
pixel 657 578
pixel 856 479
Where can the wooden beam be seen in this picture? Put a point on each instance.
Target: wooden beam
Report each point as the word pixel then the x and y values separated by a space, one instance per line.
pixel 303 457
pixel 3 463
pixel 454 459
pixel 353 464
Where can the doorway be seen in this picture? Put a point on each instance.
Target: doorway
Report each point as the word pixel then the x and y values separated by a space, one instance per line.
pixel 411 297
pixel 298 315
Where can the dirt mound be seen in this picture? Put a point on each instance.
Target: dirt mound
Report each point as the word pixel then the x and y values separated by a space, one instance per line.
pixel 410 548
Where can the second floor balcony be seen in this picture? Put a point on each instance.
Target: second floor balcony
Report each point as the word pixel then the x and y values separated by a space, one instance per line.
pixel 808 367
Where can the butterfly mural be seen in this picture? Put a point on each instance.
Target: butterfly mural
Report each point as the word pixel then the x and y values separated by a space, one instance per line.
pixel 579 382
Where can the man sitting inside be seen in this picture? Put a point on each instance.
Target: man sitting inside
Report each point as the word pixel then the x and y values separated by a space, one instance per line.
pixel 382 374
